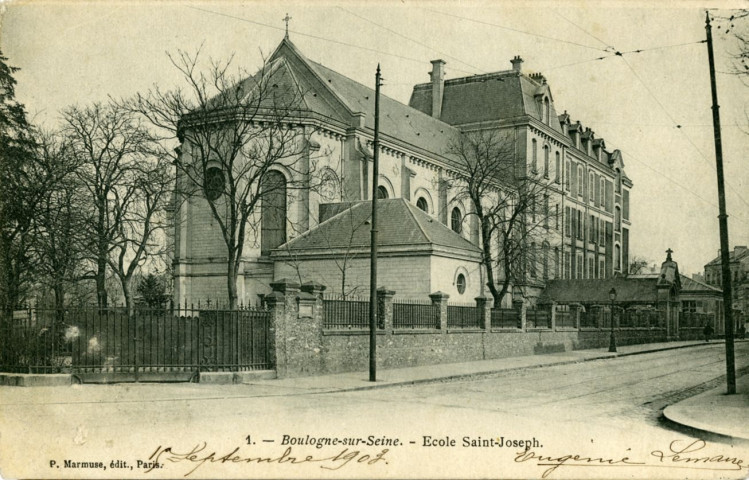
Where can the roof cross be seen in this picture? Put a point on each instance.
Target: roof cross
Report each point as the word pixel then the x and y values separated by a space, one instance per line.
pixel 286 19
pixel 668 254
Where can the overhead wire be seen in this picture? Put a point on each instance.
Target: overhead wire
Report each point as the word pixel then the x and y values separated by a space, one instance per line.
pixel 513 29
pixel 650 92
pixel 410 39
pixel 302 34
pixel 610 49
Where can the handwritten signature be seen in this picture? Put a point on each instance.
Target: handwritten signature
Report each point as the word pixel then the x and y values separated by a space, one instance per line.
pixel 200 454
pixel 680 454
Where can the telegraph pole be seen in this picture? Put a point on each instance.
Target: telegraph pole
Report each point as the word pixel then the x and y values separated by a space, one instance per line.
pixel 373 254
pixel 722 220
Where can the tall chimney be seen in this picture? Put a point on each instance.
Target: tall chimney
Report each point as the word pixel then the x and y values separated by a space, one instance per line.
pixel 438 86
pixel 517 63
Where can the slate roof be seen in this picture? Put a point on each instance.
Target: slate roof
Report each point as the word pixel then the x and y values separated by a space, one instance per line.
pixel 692 285
pixel 396 119
pixel 732 257
pixel 639 290
pixel 399 224
pixel 493 96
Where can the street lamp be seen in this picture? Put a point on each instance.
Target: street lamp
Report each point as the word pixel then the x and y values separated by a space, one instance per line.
pixel 612 340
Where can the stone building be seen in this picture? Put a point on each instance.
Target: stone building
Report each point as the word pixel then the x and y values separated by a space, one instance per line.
pixel 739 264
pixel 585 236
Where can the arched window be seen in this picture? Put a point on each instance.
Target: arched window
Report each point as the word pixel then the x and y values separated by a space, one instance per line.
pixel 422 204
pixel 456 220
pixel 214 183
pixel 534 156
pixel 556 262
pixel 546 161
pixel 273 212
pixel 557 168
pixel 617 257
pixel 532 260
pixel 461 283
pixel 382 193
pixel 618 219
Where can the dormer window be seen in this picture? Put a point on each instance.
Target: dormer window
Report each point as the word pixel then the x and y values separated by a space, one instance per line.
pixel 618 181
pixel 546 111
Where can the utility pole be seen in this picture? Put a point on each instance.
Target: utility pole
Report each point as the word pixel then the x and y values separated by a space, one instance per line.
pixel 373 251
pixel 722 220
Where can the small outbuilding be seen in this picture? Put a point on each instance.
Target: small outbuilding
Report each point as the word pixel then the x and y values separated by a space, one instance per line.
pixel 417 255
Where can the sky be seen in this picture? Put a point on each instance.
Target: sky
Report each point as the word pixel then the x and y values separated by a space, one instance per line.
pixel 653 105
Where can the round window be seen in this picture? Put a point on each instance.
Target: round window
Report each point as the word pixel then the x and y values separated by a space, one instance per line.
pixel 214 183
pixel 461 284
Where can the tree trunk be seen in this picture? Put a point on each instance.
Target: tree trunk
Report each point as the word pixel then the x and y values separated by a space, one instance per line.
pixel 486 239
pixel 101 282
pixel 231 279
pixel 128 294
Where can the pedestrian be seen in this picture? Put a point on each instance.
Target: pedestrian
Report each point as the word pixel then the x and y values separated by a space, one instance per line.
pixel 708 332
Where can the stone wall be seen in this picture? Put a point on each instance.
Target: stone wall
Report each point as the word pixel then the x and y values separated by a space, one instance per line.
pixel 304 347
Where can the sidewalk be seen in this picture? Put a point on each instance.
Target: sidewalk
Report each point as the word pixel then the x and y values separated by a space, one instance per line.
pixel 343 382
pixel 712 411
pixel 715 412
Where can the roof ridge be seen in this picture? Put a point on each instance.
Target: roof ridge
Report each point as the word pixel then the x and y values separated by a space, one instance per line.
pixel 415 110
pixel 321 224
pixel 410 208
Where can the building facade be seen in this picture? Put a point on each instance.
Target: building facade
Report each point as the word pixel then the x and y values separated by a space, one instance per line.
pixel 585 210
pixel 739 265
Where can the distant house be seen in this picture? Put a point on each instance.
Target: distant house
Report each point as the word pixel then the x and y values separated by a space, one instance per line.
pixel 739 264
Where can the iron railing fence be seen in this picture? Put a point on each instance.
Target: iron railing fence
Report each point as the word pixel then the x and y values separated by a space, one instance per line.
pixel 564 317
pixel 696 319
pixel 416 314
pixel 505 318
pixel 537 318
pixel 463 316
pixel 347 312
pixel 109 340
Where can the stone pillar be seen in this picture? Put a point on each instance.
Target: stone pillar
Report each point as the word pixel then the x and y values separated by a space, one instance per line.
pixel 313 288
pixel 575 310
pixel 440 299
pixel 485 313
pixel 276 303
pixel 283 303
pixel 385 309
pixel 518 304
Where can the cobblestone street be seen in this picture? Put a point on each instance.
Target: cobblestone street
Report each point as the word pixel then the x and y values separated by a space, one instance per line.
pixel 603 407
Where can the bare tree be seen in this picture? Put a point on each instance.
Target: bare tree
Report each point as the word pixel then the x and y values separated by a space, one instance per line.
pixel 638 265
pixel 58 222
pixel 509 202
pixel 126 179
pixel 235 131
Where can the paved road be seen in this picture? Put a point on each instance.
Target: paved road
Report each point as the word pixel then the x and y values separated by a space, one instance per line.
pixel 605 409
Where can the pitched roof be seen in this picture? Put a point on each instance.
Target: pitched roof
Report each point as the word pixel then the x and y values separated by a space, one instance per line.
pixel 399 224
pixel 493 96
pixel 397 121
pixel 743 253
pixel 640 290
pixel 692 285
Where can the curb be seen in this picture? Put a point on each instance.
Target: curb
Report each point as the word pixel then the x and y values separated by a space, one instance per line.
pixel 673 419
pixel 486 373
pixel 36 379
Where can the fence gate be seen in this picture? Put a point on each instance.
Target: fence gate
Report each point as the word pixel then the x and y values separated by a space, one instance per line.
pixel 108 345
